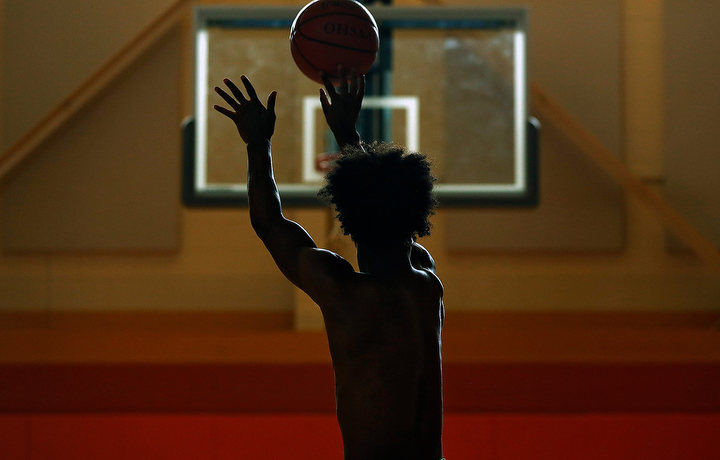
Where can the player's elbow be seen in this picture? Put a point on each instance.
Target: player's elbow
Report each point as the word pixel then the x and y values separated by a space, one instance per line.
pixel 258 225
pixel 262 224
pixel 261 227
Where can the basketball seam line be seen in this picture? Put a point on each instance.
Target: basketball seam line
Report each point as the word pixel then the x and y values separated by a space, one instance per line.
pixel 333 44
pixel 336 14
pixel 304 57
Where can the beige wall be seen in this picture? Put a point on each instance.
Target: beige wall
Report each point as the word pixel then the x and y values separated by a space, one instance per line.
pixel 222 266
pixel 2 52
pixel 107 180
pixel 51 47
pixel 644 87
pixel 692 103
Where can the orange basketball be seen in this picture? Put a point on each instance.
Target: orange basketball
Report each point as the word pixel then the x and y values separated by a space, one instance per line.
pixel 328 33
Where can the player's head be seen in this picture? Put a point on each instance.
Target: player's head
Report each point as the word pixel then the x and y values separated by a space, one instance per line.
pixel 383 197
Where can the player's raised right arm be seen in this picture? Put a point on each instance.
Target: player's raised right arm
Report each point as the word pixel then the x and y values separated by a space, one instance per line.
pixel 343 107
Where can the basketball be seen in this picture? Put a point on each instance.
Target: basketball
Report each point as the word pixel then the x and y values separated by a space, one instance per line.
pixel 328 33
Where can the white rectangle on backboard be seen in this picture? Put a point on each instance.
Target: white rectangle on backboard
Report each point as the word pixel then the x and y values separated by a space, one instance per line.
pixel 311 104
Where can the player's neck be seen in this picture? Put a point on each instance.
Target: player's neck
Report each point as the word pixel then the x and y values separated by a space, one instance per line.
pixel 384 260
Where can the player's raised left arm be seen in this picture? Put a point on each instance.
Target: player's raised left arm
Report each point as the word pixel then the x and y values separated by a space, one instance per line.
pixel 255 124
pixel 293 250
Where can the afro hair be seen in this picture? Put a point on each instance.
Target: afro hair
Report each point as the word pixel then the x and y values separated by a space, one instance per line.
pixel 383 195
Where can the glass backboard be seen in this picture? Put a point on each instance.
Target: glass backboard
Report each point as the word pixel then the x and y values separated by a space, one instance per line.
pixel 448 82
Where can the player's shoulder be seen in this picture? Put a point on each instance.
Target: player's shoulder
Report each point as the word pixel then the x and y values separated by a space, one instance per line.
pixel 421 258
pixel 434 280
pixel 326 262
pixel 423 261
pixel 324 275
pixel 323 271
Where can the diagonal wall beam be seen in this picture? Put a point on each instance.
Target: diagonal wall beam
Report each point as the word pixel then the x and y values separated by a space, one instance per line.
pixel 90 88
pixel 591 146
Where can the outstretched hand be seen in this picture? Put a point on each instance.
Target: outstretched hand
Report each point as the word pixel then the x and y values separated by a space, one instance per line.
pixel 343 107
pixel 254 122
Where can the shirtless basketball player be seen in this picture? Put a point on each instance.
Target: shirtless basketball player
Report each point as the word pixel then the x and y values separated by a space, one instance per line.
pixel 383 322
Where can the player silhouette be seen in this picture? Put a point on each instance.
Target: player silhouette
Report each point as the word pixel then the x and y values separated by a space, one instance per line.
pixel 383 322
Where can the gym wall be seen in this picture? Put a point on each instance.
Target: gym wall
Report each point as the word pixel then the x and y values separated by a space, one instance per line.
pixel 60 253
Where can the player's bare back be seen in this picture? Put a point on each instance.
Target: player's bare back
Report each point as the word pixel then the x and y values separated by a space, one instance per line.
pixel 384 337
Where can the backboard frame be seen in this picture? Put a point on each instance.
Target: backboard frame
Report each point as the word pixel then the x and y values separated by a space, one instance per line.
pixel 523 192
